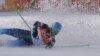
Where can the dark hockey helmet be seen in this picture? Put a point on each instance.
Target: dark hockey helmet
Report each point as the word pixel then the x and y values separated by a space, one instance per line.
pixel 57 26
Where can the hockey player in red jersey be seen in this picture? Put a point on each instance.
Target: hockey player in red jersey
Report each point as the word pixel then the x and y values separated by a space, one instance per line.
pixel 46 33
pixel 41 34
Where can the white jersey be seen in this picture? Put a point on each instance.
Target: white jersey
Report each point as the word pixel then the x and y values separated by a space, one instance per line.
pixel 38 41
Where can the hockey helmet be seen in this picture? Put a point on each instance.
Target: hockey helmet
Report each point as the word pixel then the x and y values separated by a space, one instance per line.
pixel 57 26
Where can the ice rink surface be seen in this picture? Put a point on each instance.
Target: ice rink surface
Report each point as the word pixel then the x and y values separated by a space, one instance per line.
pixel 56 51
pixel 77 30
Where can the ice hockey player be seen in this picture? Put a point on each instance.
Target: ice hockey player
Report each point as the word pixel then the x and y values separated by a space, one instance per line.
pixel 42 34
pixel 47 33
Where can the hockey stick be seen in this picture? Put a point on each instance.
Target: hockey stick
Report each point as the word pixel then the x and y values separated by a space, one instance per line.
pixel 32 4
pixel 18 12
pixel 81 45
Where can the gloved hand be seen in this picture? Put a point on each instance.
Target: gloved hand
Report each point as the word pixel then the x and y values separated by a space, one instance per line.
pixel 49 45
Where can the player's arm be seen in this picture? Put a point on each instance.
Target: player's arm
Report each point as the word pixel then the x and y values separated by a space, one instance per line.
pixel 51 41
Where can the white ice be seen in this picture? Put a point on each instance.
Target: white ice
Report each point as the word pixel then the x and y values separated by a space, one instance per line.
pixel 77 31
pixel 80 34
